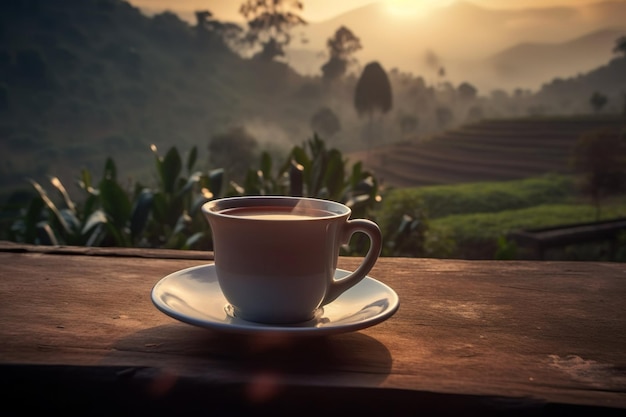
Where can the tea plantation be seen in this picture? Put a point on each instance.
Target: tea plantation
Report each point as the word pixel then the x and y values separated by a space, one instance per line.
pixel 491 150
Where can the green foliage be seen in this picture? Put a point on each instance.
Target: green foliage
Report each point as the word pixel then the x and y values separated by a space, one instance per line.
pixel 169 215
pixel 471 220
pixel 507 249
pixel 313 170
pixel 406 227
pixel 103 218
pixel 477 234
pixel 110 214
pixel 462 221
pixel 176 219
pixel 491 197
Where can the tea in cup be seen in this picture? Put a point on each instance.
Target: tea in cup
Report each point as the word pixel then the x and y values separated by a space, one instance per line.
pixel 275 256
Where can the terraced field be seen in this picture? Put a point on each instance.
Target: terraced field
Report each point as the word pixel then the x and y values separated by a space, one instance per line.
pixel 492 150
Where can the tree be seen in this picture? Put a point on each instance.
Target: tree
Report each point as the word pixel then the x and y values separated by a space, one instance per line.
pixel 372 95
pixel 325 122
pixel 373 91
pixel 467 91
pixel 600 159
pixel 269 24
pixel 620 46
pixel 341 47
pixel 598 101
pixel 207 26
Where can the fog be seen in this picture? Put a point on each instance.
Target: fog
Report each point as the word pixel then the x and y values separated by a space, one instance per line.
pixel 468 40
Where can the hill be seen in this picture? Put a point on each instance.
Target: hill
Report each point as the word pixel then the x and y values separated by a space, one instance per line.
pixel 479 34
pixel 538 62
pixel 81 80
pixel 490 150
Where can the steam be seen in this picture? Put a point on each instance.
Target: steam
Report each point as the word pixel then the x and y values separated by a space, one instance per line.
pixel 269 135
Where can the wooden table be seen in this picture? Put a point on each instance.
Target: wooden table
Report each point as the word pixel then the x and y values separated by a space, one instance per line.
pixel 79 335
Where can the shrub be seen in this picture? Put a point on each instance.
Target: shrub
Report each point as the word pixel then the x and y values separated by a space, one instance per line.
pixel 406 227
pixel 490 197
pixel 169 215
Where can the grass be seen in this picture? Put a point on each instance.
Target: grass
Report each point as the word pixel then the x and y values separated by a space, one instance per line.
pixel 476 227
pixel 475 216
pixel 490 197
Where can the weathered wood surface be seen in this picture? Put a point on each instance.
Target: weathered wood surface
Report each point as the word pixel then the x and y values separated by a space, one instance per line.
pixel 469 335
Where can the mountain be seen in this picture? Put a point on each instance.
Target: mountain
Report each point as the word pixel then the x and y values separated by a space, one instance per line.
pixel 538 63
pixel 466 40
pixel 83 80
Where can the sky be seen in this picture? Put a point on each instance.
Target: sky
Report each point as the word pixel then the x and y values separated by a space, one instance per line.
pixel 319 10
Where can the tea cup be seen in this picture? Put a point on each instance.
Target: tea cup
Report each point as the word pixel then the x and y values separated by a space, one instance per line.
pixel 276 256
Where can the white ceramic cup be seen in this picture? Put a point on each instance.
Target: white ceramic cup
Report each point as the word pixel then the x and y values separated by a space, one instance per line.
pixel 275 256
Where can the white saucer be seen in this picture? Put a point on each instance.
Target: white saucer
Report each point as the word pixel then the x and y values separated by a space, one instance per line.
pixel 193 296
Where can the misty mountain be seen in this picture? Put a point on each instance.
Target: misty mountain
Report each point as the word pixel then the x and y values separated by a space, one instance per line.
pixel 84 80
pixel 471 41
pixel 538 63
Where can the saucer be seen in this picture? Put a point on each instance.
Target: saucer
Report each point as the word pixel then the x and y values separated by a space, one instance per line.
pixel 193 296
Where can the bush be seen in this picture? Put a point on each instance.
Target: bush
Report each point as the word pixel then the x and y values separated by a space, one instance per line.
pixel 491 197
pixel 168 214
pixel 477 235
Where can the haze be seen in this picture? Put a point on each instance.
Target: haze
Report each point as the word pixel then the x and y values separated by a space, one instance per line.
pixel 493 44
pixel 319 10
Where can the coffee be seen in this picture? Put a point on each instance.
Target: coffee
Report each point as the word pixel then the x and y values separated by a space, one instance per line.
pixel 276 213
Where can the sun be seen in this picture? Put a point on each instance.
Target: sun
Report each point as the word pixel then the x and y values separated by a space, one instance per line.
pixel 412 8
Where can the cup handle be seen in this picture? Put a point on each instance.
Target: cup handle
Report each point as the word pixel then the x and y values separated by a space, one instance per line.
pixel 371 229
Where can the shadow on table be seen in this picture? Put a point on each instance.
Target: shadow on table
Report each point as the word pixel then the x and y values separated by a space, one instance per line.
pixel 273 373
pixel 278 353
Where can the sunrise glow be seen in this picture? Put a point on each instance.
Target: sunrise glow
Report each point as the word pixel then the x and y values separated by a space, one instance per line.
pixel 412 8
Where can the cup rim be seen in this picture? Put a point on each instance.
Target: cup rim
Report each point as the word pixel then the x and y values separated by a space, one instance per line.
pixel 214 207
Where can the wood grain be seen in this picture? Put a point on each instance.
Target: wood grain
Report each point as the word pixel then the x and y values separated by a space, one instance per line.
pixel 538 332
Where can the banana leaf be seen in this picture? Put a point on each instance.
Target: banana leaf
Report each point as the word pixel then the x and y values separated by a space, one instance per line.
pixel 140 213
pixel 115 203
